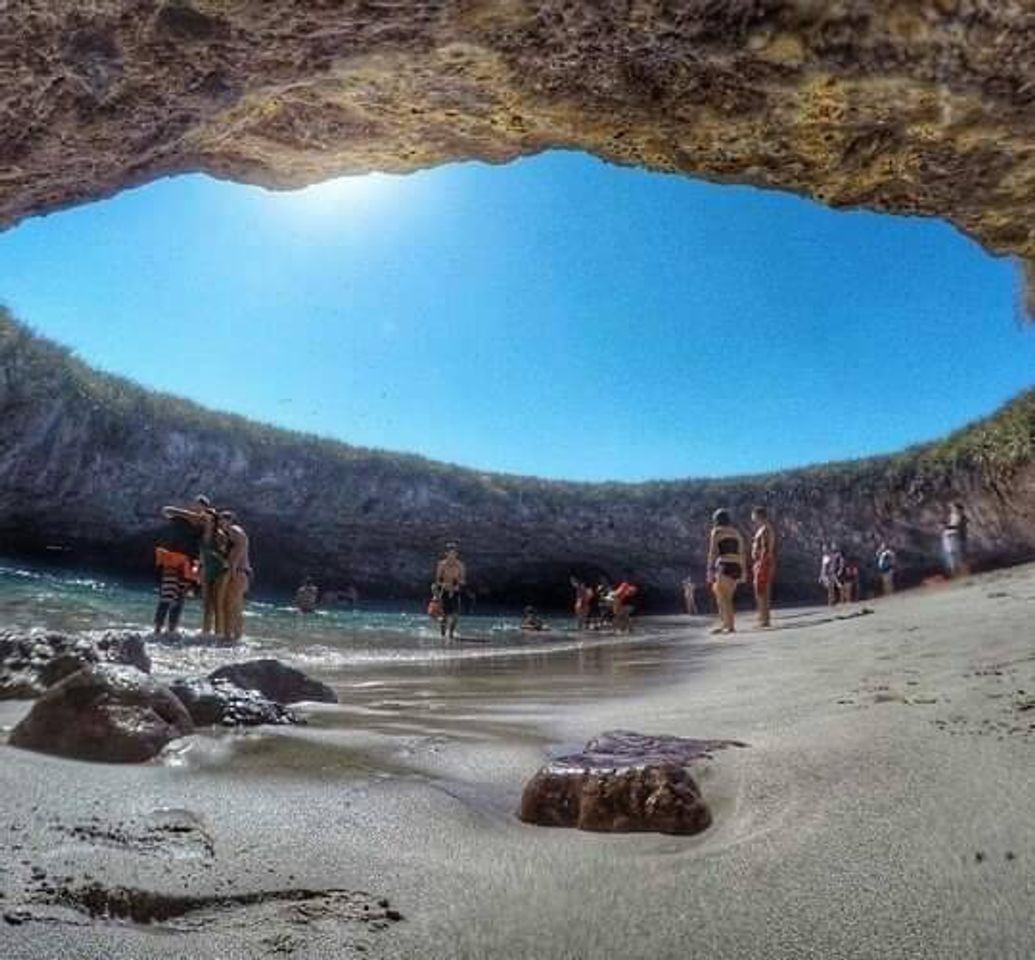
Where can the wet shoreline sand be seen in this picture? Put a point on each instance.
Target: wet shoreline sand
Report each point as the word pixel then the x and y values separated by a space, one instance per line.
pixel 882 809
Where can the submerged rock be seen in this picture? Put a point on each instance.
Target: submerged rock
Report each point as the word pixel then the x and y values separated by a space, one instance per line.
pixel 275 680
pixel 125 647
pixel 32 662
pixel 219 701
pixel 623 782
pixel 104 712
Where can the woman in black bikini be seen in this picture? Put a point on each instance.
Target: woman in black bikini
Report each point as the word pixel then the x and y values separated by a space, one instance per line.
pixel 726 566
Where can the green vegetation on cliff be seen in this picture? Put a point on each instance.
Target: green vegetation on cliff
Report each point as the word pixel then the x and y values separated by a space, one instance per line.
pixel 997 444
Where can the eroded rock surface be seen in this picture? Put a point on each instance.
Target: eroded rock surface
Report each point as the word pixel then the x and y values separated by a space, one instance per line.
pixel 623 782
pixel 103 712
pixel 275 680
pixel 922 107
pixel 32 662
pixel 220 702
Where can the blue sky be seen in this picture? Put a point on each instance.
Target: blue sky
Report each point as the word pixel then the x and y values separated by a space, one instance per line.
pixel 557 316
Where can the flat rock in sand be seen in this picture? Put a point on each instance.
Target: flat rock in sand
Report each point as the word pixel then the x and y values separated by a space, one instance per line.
pixel 623 782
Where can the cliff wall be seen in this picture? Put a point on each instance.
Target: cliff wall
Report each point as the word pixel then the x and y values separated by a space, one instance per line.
pixel 87 460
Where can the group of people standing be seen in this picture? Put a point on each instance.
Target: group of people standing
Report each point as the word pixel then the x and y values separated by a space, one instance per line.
pixel 202 549
pixel 841 576
pixel 728 566
pixel 205 549
pixel 604 605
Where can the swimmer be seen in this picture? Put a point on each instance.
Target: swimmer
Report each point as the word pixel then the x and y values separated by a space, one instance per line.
pixel 306 596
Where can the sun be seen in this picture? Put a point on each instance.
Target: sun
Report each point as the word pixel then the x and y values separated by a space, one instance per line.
pixel 342 196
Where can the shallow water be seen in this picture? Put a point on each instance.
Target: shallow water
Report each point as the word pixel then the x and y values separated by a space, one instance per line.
pixel 372 657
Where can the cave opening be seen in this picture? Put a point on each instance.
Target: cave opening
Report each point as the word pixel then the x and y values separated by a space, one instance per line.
pixel 556 317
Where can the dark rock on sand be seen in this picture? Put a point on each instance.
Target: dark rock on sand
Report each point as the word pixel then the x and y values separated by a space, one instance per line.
pixel 104 712
pixel 623 782
pixel 125 647
pixel 219 701
pixel 275 680
pixel 32 662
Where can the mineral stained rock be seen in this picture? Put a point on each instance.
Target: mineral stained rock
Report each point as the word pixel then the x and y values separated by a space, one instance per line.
pixel 219 702
pixel 623 782
pixel 106 713
pixel 32 662
pixel 921 107
pixel 275 680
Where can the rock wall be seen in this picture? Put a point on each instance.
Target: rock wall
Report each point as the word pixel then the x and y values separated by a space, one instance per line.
pixel 911 106
pixel 87 460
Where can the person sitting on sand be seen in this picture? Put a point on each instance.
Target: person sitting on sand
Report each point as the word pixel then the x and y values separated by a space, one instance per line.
pixel 763 563
pixel 306 596
pixel 690 596
pixel 954 541
pixel 886 561
pixel 238 579
pixel 451 578
pixel 726 567
pixel 177 549
pixel 532 622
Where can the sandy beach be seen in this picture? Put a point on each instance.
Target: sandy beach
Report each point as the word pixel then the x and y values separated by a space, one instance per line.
pixel 881 809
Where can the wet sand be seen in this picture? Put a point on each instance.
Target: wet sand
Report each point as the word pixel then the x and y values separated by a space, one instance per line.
pixel 882 809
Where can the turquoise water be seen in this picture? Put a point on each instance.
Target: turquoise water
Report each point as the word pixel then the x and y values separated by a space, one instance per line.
pixel 327 643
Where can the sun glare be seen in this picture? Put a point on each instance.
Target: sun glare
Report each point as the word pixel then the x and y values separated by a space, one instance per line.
pixel 349 196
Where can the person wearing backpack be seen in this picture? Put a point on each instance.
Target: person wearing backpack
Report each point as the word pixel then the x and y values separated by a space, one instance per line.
pixel 886 568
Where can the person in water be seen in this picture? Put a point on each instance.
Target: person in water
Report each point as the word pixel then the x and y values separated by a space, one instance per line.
pixel 622 605
pixel 451 578
pixel 238 579
pixel 306 596
pixel 531 621
pixel 763 563
pixel 215 548
pixel 583 602
pixel 726 567
pixel 954 541
pixel 177 549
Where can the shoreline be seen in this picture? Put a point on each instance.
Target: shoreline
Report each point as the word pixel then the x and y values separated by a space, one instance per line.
pixel 880 810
